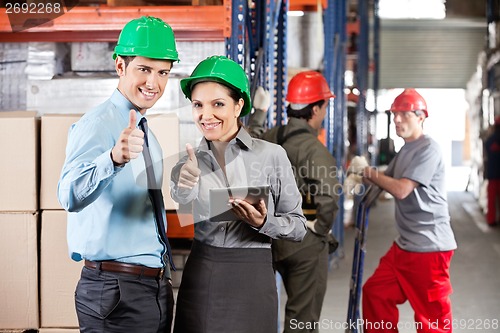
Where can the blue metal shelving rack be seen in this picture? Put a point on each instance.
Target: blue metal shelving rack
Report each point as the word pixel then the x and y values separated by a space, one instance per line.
pixel 362 78
pixel 258 44
pixel 335 20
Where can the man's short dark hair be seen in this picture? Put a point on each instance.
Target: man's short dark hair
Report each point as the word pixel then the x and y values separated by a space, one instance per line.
pixel 305 112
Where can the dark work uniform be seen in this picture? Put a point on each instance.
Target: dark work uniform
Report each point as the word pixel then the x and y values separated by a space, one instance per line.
pixel 492 148
pixel 304 266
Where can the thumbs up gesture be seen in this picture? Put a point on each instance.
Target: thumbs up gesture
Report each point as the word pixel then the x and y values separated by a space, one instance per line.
pixel 129 144
pixel 190 173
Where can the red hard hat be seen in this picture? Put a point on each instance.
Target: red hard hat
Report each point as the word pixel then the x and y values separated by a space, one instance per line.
pixel 308 87
pixel 409 100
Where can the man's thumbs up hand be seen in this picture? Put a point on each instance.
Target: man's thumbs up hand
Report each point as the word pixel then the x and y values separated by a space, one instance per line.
pixel 130 142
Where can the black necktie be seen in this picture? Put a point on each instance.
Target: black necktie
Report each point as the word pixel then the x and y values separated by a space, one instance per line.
pixel 155 192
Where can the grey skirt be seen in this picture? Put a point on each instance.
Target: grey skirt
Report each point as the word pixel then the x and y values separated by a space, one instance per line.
pixel 229 290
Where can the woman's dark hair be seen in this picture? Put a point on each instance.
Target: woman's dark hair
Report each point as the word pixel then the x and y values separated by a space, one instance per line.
pixel 306 112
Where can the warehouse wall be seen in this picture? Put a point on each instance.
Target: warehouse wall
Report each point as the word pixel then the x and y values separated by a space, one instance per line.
pixel 430 53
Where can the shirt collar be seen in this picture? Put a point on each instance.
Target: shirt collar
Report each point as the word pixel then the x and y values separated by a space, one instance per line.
pixel 123 105
pixel 242 139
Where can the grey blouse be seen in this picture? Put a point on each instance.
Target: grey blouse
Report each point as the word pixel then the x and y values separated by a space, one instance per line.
pixel 249 162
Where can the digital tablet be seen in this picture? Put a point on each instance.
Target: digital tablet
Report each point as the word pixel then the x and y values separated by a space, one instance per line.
pixel 220 209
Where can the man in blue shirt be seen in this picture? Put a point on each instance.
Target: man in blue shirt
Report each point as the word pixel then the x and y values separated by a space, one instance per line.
pixel 125 284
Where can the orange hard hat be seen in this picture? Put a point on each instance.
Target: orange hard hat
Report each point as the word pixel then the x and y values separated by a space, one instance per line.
pixel 308 87
pixel 409 100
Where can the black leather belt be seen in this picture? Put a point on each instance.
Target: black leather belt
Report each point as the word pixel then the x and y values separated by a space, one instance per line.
pixel 120 267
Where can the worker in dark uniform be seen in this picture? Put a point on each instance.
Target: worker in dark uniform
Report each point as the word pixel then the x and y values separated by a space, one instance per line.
pixel 304 266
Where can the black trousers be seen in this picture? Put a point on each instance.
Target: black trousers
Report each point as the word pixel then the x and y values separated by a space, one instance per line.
pixel 227 290
pixel 115 302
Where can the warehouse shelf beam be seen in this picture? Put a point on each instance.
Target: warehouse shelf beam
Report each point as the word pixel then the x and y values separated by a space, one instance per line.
pixel 235 42
pixel 258 44
pixel 276 58
pixel 376 49
pixel 362 79
pixel 376 75
pixel 103 23
pixel 335 26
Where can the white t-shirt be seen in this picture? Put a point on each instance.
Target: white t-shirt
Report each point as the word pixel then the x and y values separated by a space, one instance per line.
pixel 422 218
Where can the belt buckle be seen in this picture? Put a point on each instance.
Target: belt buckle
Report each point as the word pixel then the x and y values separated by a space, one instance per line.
pixel 161 273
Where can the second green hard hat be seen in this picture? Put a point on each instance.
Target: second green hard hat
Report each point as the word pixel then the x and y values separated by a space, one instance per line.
pixel 223 70
pixel 148 37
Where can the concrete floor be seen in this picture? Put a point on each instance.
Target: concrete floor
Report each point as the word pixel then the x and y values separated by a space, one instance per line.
pixel 475 268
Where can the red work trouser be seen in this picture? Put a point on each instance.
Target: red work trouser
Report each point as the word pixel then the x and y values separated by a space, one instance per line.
pixel 422 278
pixel 493 200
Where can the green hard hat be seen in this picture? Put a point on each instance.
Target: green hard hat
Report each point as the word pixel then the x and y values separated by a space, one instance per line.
pixel 222 70
pixel 148 37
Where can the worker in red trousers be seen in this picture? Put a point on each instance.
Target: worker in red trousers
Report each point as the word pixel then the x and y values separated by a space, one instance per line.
pixel 416 267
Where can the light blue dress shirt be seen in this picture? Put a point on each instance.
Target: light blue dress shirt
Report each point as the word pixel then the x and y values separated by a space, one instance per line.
pixel 110 213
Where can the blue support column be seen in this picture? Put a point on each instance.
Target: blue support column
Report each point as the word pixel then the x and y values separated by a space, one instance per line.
pixel 275 58
pixel 274 118
pixel 258 43
pixel 281 63
pixel 268 33
pixel 376 68
pixel 235 45
pixel 331 41
pixel 335 20
pixel 362 79
pixel 376 49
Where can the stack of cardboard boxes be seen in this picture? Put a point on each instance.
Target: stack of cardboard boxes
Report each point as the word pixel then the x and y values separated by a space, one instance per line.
pixel 58 273
pixel 39 278
pixel 19 217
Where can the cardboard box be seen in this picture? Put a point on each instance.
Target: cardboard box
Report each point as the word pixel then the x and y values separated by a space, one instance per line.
pixel 19 287
pixel 166 129
pixel 59 274
pixel 54 136
pixel 19 168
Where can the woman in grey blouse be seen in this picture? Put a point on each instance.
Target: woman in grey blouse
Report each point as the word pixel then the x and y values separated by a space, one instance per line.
pixel 228 283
